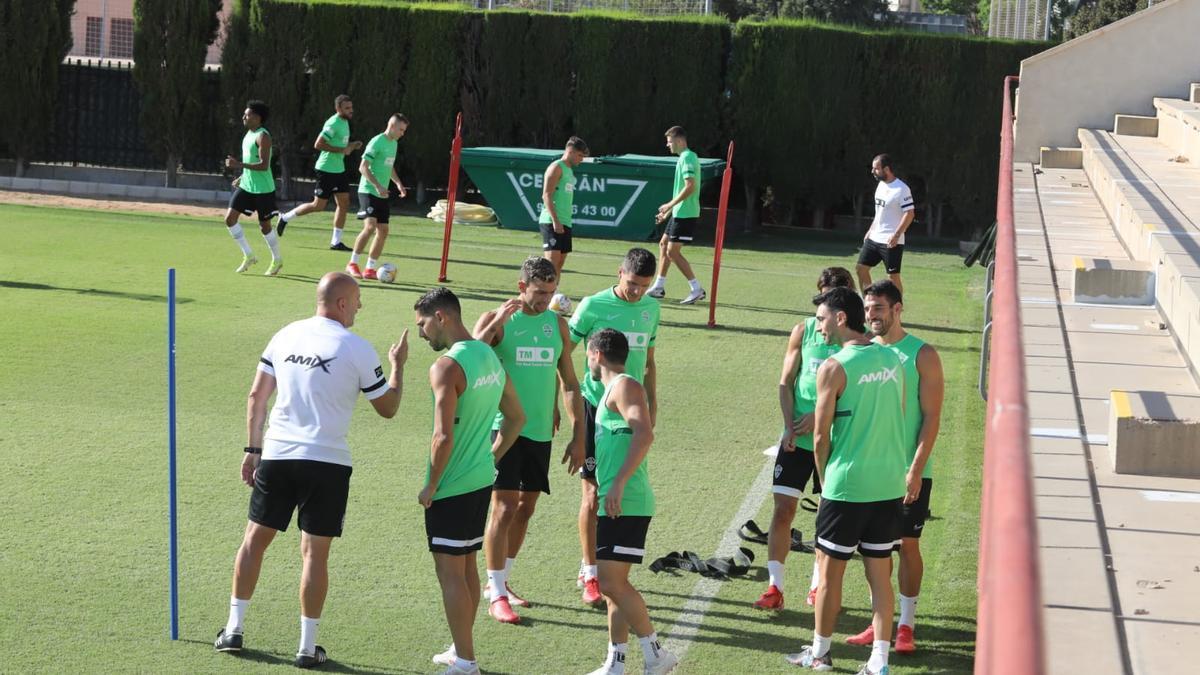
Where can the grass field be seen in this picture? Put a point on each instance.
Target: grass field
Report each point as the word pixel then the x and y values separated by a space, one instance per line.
pixel 83 551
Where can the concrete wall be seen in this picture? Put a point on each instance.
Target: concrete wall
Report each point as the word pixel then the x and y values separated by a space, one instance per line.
pixel 1116 69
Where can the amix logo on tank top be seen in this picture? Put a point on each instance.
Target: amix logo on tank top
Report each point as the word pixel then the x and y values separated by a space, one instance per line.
pixel 487 380
pixel 881 375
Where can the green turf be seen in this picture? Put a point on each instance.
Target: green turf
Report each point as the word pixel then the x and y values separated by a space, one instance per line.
pixel 83 438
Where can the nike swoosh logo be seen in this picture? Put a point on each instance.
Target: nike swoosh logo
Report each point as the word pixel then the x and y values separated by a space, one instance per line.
pixel 918 527
pixel 610 317
pixel 520 332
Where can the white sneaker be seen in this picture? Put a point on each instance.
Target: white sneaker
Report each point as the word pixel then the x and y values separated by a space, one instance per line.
pixel 273 270
pixel 579 579
pixel 693 297
pixel 247 261
pixel 613 668
pixel 446 658
pixel 457 670
pixel 659 292
pixel 665 663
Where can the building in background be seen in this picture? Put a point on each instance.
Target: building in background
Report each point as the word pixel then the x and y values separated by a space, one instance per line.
pixel 104 29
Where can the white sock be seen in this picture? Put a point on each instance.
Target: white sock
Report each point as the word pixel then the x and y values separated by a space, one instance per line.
pixel 237 612
pixel 879 655
pixel 908 610
pixel 273 244
pixel 463 664
pixel 616 658
pixel 290 214
pixel 775 570
pixel 497 582
pixel 336 238
pixel 694 283
pixel 372 263
pixel 660 282
pixel 508 565
pixel 308 635
pixel 816 577
pixel 650 646
pixel 240 237
pixel 590 572
pixel 354 258
pixel 821 644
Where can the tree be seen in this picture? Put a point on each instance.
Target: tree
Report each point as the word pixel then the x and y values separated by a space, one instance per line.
pixel 170 42
pixel 35 35
pixel 856 12
pixel 1099 13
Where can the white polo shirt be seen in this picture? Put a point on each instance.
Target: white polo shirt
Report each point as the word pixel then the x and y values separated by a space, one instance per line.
pixel 892 201
pixel 319 368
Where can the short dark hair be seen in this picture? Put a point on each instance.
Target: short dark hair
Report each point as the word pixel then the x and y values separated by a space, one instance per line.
pixel 577 143
pixel 611 344
pixel 885 289
pixel 676 132
pixel 884 159
pixel 842 299
pixel 440 298
pixel 400 117
pixel 342 98
pixel 259 108
pixel 537 268
pixel 835 277
pixel 639 262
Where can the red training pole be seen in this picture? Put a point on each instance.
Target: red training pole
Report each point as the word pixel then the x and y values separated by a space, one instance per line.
pixel 726 180
pixel 452 192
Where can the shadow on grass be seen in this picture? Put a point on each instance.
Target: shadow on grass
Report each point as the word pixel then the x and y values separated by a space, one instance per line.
pixel 98 292
pixel 333 665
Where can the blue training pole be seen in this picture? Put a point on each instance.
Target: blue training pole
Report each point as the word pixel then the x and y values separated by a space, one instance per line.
pixel 171 451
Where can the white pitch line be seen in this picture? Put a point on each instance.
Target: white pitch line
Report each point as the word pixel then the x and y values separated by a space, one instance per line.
pixel 691 617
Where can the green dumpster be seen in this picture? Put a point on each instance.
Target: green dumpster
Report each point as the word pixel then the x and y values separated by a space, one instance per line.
pixel 616 197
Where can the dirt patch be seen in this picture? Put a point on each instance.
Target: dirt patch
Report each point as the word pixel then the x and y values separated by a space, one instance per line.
pixel 111 204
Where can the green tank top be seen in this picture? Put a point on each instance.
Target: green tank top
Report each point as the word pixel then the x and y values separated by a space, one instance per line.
pixel 261 181
pixel 529 351
pixel 867 461
pixel 613 437
pixel 637 320
pixel 336 132
pixel 564 197
pixel 471 466
pixel 907 349
pixel 813 352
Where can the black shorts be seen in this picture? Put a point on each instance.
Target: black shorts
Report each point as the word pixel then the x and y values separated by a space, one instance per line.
pixel 792 471
pixel 370 206
pixel 320 489
pixel 681 229
pixel 455 525
pixel 329 184
pixel 525 467
pixel 588 471
pixel 622 538
pixel 871 527
pixel 246 203
pixel 553 241
pixel 912 516
pixel 873 253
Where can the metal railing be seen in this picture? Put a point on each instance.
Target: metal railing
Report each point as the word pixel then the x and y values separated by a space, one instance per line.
pixel 1009 634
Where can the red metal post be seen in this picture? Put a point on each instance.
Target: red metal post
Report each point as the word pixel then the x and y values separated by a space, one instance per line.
pixel 451 193
pixel 719 244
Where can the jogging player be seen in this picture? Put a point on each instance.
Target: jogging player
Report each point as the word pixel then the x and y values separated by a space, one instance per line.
pixel 624 432
pixel 858 441
pixel 626 308
pixel 534 345
pixel 924 386
pixel 469 386
pixel 684 213
pixel 316 369
pixel 807 349
pixel 558 203
pixel 334 144
pixel 254 190
pixel 894 212
pixel 377 167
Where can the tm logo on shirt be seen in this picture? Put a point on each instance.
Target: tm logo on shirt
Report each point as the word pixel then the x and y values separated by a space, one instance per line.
pixel 538 355
pixel 883 375
pixel 638 340
pixel 311 361
pixel 487 380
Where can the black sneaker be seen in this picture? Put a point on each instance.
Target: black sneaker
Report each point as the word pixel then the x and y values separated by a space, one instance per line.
pixel 279 227
pixel 340 247
pixel 317 658
pixel 228 642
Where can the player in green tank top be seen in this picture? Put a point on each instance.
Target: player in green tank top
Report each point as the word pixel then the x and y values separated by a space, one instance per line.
pixel 794 464
pixel 469 387
pixel 624 432
pixel 254 190
pixel 626 308
pixel 859 451
pixel 684 213
pixel 334 144
pixel 533 344
pixel 924 384
pixel 558 203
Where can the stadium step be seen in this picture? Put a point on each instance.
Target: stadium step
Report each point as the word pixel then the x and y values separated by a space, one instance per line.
pixel 1061 158
pixel 1135 125
pixel 1153 433
pixel 1117 282
pixel 1179 127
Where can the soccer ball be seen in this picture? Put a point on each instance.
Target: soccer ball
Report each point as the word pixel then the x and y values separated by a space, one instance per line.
pixel 561 304
pixel 386 273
